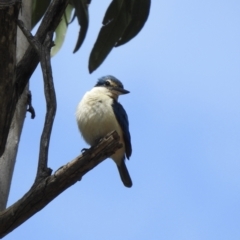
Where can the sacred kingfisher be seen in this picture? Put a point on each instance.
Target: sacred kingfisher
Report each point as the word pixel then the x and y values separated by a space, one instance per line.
pixel 99 113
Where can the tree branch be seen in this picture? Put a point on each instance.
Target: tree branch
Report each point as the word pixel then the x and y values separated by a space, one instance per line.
pixel 49 188
pixel 43 170
pixel 8 32
pixel 16 85
pixel 8 159
pixel 43 51
pixel 29 62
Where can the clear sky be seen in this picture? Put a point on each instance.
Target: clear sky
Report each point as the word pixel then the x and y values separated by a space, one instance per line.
pixel 183 72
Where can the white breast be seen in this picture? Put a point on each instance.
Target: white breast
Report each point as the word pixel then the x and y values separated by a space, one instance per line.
pixel 95 118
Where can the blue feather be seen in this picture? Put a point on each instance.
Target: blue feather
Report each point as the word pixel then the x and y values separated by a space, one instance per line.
pixel 122 119
pixel 102 81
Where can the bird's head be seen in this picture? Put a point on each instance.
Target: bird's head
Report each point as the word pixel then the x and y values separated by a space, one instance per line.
pixel 113 85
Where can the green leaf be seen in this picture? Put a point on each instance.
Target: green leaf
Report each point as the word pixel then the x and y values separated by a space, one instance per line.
pixel 115 22
pixel 123 20
pixel 139 15
pixel 81 12
pixel 39 7
pixel 61 30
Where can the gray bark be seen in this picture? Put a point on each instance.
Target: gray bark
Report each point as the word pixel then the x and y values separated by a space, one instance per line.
pixel 8 159
pixel 13 80
pixel 8 14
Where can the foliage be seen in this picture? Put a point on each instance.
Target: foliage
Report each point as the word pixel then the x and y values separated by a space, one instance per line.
pixel 123 20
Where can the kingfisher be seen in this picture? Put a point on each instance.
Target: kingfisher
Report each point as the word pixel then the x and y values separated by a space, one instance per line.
pixel 99 113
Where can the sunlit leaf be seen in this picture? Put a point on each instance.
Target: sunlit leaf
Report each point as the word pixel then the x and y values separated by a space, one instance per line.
pixel 61 30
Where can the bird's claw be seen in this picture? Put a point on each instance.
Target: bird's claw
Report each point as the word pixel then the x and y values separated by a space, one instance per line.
pixel 84 150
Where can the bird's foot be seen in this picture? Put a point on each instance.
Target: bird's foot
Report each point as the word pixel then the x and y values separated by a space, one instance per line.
pixel 84 150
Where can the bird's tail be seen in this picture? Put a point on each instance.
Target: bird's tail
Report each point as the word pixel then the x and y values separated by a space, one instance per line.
pixel 126 179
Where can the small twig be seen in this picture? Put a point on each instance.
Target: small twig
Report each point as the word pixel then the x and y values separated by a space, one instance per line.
pixel 44 56
pixel 29 103
pixel 31 39
pixel 51 102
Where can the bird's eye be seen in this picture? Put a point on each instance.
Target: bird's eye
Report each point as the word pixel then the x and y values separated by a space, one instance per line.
pixel 107 83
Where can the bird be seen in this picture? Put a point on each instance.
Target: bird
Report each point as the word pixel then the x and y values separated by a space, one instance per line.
pixel 99 113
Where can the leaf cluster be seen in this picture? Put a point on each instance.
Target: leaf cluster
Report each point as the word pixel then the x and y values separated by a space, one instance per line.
pixel 123 20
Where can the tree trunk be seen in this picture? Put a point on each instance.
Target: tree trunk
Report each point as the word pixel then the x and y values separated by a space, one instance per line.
pixel 8 159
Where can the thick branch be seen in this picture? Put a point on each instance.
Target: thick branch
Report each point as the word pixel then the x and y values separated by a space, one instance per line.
pixel 8 32
pixel 15 86
pixel 48 189
pixel 8 159
pixel 30 60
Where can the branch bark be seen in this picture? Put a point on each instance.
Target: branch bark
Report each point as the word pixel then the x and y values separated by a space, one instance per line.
pixel 49 188
pixel 43 51
pixel 8 159
pixel 51 102
pixel 16 85
pixel 8 32
pixel 30 60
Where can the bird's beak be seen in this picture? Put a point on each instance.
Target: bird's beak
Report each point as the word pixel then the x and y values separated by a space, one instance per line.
pixel 120 90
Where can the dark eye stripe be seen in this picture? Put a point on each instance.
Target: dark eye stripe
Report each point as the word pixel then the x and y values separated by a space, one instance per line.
pixel 107 83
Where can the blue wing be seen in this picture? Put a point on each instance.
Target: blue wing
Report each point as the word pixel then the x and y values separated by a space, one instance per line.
pixel 122 119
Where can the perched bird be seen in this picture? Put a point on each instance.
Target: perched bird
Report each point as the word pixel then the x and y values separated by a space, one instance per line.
pixel 99 113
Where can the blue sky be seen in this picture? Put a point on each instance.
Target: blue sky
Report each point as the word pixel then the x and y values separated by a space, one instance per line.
pixel 183 72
